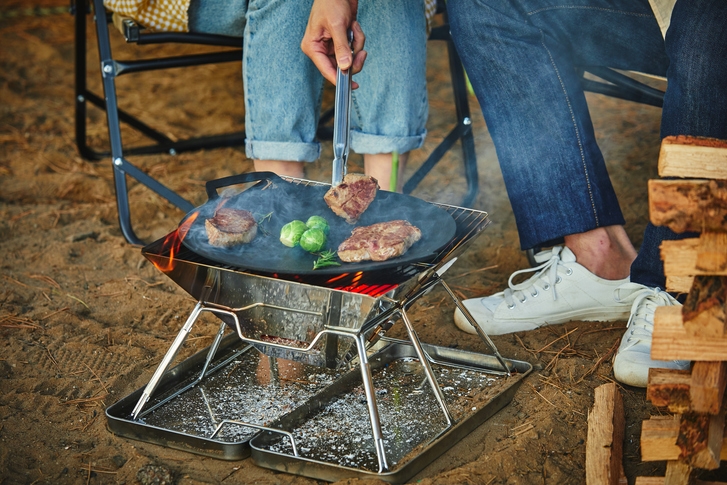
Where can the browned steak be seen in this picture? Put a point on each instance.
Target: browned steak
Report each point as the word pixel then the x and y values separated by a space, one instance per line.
pixel 379 242
pixel 230 227
pixel 352 196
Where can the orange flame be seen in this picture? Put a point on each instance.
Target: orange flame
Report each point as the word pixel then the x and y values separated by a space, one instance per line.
pixel 336 278
pixel 370 290
pixel 353 286
pixel 173 241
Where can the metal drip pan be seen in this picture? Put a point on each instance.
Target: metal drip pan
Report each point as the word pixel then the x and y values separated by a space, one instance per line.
pixel 333 434
pixel 240 384
pixel 323 410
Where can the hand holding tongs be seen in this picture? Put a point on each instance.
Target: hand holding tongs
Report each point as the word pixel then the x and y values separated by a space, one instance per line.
pixel 341 122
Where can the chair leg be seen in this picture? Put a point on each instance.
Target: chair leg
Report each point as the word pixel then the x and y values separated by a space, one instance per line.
pixel 80 9
pixel 462 132
pixel 459 86
pixel 121 166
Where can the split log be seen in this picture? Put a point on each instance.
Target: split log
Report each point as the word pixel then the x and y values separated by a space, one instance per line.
pixel 660 481
pixel 712 252
pixel 679 284
pixel 659 439
pixel 704 310
pixel 604 444
pixel 677 473
pixel 687 258
pixel 706 391
pixel 688 205
pixel 700 439
pixel 670 341
pixel 670 388
pixel 681 258
pixel 688 156
pixel 700 390
pixel 649 481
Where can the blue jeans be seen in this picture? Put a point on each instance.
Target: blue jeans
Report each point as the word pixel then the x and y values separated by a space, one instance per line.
pixel 521 55
pixel 283 87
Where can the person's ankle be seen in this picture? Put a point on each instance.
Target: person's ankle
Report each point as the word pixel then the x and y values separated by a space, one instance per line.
pixel 606 252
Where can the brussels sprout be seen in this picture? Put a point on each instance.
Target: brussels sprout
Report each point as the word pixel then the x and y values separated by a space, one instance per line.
pixel 313 240
pixel 318 222
pixel 291 232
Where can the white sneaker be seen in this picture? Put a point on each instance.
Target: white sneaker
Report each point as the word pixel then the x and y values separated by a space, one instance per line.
pixel 560 291
pixel 633 358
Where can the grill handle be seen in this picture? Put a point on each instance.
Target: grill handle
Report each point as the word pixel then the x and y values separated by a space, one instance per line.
pixel 213 185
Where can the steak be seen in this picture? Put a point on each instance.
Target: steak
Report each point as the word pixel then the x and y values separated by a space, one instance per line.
pixel 230 227
pixel 352 196
pixel 379 242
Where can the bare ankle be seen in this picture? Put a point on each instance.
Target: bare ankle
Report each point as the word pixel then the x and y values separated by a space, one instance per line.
pixel 606 252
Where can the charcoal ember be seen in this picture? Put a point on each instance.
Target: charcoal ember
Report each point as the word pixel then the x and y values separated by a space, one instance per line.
pixel 352 196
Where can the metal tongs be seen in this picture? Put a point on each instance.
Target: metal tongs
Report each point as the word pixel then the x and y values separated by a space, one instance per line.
pixel 341 122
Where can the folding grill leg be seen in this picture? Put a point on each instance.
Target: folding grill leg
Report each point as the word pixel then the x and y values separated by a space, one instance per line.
pixel 211 353
pixel 427 367
pixel 472 321
pixel 168 357
pixel 371 403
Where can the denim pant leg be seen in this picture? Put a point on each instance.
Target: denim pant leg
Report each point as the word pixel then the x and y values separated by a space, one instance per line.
pixel 282 86
pixel 695 102
pixel 520 57
pixel 390 108
pixel 222 17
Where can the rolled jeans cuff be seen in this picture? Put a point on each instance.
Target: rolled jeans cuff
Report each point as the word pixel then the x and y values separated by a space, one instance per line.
pixel 284 151
pixel 366 143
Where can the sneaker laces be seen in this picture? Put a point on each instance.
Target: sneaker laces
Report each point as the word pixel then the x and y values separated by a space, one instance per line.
pixel 547 271
pixel 640 326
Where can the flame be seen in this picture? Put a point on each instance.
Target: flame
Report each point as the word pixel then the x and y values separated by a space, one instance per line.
pixel 352 285
pixel 173 241
pixel 336 278
pixel 370 290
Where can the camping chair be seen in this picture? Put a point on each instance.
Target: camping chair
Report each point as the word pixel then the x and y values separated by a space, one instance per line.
pixel 111 68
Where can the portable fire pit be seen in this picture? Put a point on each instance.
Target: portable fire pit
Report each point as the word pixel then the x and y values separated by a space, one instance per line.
pixel 327 328
pixel 308 383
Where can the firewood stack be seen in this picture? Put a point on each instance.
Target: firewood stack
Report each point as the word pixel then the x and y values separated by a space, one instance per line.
pixel 695 202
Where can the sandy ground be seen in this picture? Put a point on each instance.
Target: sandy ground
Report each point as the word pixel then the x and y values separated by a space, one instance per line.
pixel 85 319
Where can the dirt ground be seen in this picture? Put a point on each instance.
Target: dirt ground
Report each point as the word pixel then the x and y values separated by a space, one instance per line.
pixel 85 319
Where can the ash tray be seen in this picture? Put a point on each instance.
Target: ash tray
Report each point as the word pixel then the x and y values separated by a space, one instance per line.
pixel 332 432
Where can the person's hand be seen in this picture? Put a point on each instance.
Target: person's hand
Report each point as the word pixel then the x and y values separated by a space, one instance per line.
pixel 326 38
